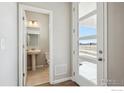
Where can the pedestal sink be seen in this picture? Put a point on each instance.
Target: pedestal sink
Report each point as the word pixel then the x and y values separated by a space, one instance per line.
pixel 33 53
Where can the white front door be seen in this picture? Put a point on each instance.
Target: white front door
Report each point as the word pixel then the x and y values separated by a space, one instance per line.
pixel 88 44
pixel 24 49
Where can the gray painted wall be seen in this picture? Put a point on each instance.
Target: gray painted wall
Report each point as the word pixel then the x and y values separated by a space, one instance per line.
pixel 8 56
pixel 115 43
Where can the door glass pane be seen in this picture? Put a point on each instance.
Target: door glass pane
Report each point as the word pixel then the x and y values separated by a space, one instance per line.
pixel 88 42
pixel 86 7
pixel 87 37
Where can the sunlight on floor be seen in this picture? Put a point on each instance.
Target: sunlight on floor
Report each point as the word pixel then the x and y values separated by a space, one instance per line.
pixel 89 71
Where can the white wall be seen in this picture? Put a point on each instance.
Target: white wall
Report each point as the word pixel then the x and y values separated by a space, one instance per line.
pixel 8 56
pixel 61 36
pixel 115 43
pixel 43 22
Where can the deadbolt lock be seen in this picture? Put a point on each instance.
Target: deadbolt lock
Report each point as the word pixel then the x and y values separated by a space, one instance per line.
pixel 100 59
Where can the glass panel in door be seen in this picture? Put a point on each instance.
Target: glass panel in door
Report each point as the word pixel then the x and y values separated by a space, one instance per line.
pixel 87 50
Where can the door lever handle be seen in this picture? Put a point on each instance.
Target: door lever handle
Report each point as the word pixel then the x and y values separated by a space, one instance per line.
pixel 100 59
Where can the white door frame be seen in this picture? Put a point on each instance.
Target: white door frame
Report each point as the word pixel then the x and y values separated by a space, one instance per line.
pixel 103 27
pixel 23 8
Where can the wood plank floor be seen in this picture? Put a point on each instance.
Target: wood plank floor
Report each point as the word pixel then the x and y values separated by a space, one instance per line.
pixel 66 83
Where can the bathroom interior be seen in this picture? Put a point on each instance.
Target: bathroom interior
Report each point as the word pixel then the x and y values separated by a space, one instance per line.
pixel 37 48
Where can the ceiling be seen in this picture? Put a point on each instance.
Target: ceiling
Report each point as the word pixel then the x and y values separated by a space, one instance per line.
pixel 84 9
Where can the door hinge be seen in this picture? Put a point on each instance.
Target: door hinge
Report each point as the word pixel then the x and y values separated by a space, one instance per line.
pixel 73 9
pixel 73 73
pixel 73 30
pixel 23 74
pixel 73 52
pixel 23 18
pixel 23 46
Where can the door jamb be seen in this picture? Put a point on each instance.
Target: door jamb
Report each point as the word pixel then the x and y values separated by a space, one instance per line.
pixel 105 43
pixel 74 38
pixel 23 8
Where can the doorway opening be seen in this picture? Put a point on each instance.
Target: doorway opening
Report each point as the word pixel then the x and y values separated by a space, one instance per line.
pixel 35 46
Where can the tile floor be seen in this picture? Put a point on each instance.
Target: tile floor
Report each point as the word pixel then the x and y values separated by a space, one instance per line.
pixel 38 77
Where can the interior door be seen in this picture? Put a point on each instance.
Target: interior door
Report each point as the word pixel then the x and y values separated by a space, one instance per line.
pixel 24 49
pixel 89 49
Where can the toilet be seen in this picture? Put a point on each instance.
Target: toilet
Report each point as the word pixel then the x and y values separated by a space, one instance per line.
pixel 47 56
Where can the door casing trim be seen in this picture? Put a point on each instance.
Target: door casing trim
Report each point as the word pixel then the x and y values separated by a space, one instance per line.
pixel 22 8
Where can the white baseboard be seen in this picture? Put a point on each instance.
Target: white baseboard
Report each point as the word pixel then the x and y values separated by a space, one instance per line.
pixel 38 66
pixel 61 80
